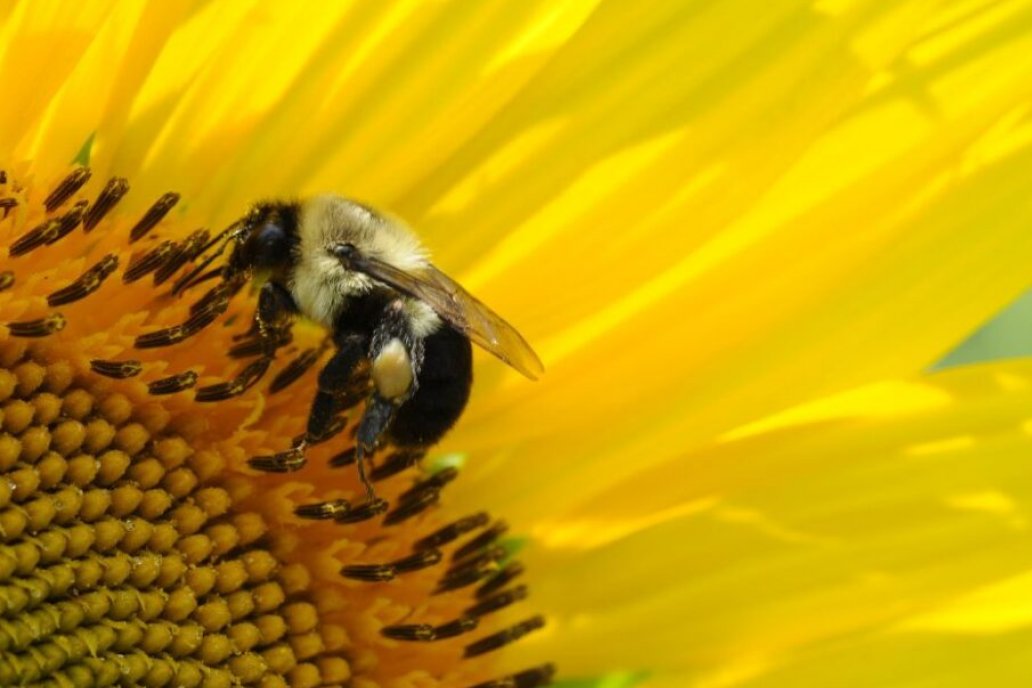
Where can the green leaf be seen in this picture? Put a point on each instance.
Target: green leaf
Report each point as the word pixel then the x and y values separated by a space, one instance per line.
pixel 436 464
pixel 512 547
pixel 83 156
pixel 1007 335
pixel 624 679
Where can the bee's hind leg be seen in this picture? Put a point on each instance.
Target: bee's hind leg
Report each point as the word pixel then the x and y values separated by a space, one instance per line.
pixel 395 357
pixel 377 416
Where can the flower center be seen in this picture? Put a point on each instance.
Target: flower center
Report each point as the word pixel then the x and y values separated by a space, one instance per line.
pixel 137 547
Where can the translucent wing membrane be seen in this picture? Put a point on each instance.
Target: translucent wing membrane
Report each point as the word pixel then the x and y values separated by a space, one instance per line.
pixel 458 307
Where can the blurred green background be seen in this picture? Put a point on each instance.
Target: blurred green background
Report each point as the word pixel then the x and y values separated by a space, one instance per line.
pixel 1008 335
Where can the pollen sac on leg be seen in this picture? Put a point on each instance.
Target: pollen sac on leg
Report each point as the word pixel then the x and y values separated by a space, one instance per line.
pixel 392 370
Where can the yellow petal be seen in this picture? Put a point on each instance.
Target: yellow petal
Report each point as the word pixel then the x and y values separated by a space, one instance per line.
pixel 702 214
pixel 864 544
pixel 859 232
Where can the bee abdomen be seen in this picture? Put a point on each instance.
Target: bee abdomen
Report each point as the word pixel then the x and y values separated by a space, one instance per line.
pixel 443 389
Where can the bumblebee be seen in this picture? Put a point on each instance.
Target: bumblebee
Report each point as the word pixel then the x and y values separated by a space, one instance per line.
pixel 366 279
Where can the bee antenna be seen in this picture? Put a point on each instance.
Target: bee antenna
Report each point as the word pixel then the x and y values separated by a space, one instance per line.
pixel 194 276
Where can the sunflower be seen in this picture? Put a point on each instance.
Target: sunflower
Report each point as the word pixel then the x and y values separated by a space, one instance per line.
pixel 736 232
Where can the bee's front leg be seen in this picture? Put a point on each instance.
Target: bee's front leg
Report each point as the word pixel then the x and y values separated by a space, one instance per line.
pixel 273 316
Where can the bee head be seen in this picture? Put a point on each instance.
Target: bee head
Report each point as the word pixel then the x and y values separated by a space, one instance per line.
pixel 346 253
pixel 262 243
pixel 265 242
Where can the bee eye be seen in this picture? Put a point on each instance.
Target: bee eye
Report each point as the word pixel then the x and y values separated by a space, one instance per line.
pixel 271 237
pixel 267 248
pixel 344 252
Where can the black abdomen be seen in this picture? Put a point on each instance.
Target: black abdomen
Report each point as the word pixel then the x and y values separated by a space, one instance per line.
pixel 444 383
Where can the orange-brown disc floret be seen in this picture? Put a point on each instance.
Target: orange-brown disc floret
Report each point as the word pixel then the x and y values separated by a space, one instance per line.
pixel 137 547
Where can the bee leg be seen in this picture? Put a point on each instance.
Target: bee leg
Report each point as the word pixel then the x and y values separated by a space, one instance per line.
pixel 395 356
pixel 270 324
pixel 272 317
pixel 274 314
pixel 377 417
pixel 334 379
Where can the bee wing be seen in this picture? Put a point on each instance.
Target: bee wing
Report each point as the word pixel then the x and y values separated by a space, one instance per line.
pixel 481 324
pixel 460 309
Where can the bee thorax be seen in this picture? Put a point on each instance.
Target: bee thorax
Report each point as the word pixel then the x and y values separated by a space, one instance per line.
pixel 392 370
pixel 321 288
